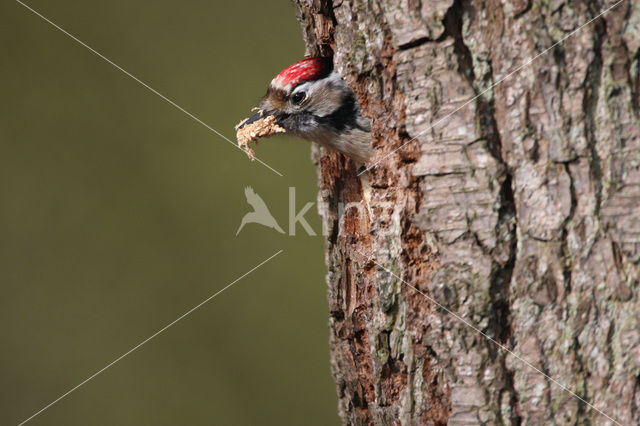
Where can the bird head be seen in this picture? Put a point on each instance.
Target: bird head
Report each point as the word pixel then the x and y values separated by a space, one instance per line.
pixel 310 100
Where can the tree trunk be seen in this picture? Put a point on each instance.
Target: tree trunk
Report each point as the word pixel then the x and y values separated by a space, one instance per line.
pixel 518 211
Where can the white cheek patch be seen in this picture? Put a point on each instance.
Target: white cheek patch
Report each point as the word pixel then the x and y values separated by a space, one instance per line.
pixel 323 96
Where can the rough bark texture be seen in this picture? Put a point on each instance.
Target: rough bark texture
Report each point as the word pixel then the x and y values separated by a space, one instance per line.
pixel 520 212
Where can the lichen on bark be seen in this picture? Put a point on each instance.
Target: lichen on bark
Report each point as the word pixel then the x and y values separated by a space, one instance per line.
pixel 517 207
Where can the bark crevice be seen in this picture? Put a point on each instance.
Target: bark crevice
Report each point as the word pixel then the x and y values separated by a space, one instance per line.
pixel 515 210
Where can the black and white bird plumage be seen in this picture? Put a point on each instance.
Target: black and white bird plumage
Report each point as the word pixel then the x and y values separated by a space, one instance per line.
pixel 311 101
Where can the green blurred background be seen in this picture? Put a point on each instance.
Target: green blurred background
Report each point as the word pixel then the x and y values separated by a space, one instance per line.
pixel 118 214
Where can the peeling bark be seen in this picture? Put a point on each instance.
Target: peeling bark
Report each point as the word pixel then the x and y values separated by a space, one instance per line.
pixel 519 211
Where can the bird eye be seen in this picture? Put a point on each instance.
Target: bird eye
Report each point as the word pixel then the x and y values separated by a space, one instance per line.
pixel 298 97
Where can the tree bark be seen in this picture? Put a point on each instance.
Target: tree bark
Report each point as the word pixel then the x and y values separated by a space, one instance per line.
pixel 518 210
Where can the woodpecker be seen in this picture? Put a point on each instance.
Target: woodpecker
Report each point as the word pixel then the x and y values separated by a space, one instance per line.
pixel 311 101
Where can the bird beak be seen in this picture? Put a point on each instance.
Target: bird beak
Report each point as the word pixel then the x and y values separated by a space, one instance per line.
pixel 255 117
pixel 262 114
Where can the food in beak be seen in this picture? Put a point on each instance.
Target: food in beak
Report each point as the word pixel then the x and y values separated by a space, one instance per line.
pixel 256 127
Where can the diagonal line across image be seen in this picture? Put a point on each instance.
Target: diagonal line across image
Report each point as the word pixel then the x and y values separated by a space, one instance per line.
pixel 511 74
pixel 492 340
pixel 145 85
pixel 143 342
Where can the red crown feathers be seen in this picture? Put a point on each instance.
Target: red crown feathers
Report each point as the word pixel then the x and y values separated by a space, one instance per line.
pixel 309 69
